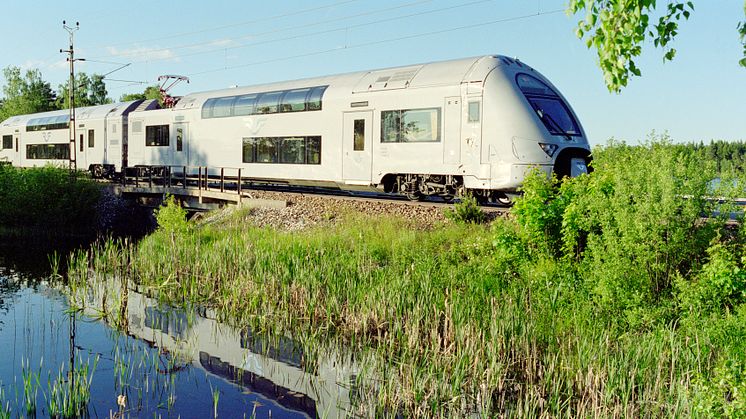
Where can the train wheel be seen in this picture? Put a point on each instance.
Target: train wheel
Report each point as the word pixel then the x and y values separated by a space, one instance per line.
pixel 97 171
pixel 505 200
pixel 414 196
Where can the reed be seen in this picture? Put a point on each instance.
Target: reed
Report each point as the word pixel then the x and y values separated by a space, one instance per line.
pixel 504 320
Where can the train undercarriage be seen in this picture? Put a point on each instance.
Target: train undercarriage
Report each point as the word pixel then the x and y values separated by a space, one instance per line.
pixel 418 187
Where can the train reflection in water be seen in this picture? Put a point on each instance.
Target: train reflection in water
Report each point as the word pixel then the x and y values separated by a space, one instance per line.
pixel 276 369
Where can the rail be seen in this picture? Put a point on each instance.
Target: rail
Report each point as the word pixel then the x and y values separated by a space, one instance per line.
pixel 202 178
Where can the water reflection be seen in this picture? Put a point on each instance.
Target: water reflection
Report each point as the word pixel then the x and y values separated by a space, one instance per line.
pixel 164 361
pixel 276 370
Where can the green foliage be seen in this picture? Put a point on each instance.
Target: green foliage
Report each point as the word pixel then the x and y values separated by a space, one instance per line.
pixel 171 217
pixel 151 92
pixel 616 29
pixel 89 91
pixel 539 212
pixel 47 199
pixel 724 394
pixel 720 284
pixel 25 94
pixel 466 211
pixel 742 35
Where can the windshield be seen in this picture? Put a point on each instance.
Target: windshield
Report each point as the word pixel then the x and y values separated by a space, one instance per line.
pixel 548 106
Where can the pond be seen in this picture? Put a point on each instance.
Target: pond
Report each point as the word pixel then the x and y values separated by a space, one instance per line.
pixel 152 360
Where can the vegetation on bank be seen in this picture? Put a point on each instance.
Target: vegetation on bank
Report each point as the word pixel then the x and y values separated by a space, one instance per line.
pixel 604 295
pixel 47 200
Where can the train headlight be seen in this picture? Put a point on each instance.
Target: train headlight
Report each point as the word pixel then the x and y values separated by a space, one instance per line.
pixel 550 149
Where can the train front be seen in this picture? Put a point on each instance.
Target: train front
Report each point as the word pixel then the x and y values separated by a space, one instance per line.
pixel 528 124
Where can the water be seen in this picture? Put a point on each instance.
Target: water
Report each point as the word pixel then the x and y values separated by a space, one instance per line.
pixel 166 362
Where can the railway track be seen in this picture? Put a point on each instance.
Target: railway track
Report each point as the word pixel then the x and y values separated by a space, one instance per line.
pixel 362 197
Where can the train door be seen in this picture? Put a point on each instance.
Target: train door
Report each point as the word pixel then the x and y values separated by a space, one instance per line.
pixel 471 131
pixel 357 143
pixel 180 147
pixel 81 159
pixel 17 150
pixel 452 131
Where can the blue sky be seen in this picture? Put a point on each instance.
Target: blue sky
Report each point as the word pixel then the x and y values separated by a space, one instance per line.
pixel 701 95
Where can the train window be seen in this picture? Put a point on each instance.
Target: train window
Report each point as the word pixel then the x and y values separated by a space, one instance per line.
pixel 390 126
pixel 410 126
pixel 358 141
pixel 179 139
pixel 91 141
pixel 244 105
pixel 48 123
pixel 533 86
pixel 314 99
pixel 48 151
pixel 81 142
pixel 7 141
pixel 294 101
pixel 548 105
pixel 287 150
pixel 266 150
pixel 554 115
pixel 156 135
pixel 207 108
pixel 293 150
pixel 473 111
pixel 313 150
pixel 249 150
pixel 267 102
pixel 223 107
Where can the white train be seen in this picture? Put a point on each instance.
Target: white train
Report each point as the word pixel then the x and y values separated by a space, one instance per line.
pixel 437 129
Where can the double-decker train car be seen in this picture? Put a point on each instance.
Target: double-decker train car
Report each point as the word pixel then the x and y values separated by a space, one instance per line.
pixel 436 129
pixel 44 138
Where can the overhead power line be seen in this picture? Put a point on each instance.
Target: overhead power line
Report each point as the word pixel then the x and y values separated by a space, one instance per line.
pixel 383 41
pixel 233 25
pixel 307 34
pixel 283 29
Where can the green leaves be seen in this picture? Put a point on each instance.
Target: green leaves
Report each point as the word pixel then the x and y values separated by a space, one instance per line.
pixel 618 28
pixel 742 35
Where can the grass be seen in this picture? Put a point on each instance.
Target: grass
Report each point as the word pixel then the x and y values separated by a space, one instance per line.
pixel 586 303
pixel 46 200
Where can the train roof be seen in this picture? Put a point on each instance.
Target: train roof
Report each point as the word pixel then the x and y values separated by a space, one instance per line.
pixel 439 73
pixel 81 114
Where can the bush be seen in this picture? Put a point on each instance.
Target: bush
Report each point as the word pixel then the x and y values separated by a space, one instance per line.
pixel 466 211
pixel 720 284
pixel 724 394
pixel 48 199
pixel 171 217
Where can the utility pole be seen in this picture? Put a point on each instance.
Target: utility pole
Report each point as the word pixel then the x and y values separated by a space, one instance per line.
pixel 71 91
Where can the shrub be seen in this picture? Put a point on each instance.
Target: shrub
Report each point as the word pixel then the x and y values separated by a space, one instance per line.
pixel 721 283
pixel 171 217
pixel 724 394
pixel 466 211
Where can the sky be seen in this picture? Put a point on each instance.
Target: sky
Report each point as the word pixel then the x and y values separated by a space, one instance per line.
pixel 700 96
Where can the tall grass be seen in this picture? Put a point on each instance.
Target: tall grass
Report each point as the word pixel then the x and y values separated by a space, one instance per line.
pixel 586 303
pixel 46 199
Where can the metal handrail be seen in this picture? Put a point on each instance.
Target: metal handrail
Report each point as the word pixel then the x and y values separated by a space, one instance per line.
pixel 187 177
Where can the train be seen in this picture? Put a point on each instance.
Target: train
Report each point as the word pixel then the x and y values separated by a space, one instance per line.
pixel 441 129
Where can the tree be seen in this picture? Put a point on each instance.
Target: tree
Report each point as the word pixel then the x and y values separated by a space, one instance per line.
pixel 151 92
pixel 25 94
pixel 89 91
pixel 617 29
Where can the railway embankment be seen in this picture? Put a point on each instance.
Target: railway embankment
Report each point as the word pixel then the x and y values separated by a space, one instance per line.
pixel 603 295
